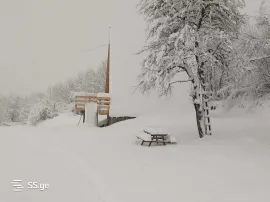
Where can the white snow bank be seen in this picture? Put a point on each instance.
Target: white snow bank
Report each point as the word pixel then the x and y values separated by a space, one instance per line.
pixel 12 123
pixel 172 139
pixel 36 155
pixel 105 164
pixel 250 109
pixel 61 121
pixel 263 110
pixel 144 136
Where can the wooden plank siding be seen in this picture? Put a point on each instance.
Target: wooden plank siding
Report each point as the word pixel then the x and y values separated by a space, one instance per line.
pixel 103 103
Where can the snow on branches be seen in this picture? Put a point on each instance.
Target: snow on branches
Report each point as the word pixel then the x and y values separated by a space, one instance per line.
pixel 179 32
pixel 193 36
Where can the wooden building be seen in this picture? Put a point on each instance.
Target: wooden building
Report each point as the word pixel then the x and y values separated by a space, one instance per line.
pixel 101 99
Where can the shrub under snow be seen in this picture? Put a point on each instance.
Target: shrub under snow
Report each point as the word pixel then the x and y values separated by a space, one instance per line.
pixel 24 113
pixel 2 113
pixel 41 111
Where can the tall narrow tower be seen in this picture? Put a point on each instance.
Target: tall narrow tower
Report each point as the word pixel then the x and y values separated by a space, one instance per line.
pixel 107 85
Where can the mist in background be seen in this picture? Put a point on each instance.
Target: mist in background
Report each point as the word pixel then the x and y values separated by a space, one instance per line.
pixel 47 41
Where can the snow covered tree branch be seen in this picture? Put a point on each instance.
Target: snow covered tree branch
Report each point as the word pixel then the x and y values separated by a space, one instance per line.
pixel 181 35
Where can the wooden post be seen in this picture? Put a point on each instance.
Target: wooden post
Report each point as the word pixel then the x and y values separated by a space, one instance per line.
pixel 107 85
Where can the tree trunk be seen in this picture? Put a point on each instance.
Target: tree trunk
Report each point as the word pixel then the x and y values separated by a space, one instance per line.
pixel 199 119
pixel 197 102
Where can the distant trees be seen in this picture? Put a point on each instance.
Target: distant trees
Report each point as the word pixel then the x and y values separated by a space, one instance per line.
pixel 40 106
pixel 41 111
pixel 2 108
pixel 248 74
pixel 13 107
pixel 88 82
pixel 100 79
pixel 24 114
pixel 60 92
pixel 94 81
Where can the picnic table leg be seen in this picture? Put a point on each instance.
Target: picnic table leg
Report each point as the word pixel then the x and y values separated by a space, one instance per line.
pixel 163 140
pixel 142 142
pixel 152 139
pixel 156 139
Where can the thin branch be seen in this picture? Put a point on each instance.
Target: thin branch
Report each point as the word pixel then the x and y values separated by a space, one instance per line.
pixel 180 81
pixel 260 58
pixel 181 70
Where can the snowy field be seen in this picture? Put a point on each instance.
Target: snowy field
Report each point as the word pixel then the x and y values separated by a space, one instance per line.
pixel 88 164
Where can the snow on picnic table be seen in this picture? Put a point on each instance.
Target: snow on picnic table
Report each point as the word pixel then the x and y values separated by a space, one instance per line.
pixel 109 165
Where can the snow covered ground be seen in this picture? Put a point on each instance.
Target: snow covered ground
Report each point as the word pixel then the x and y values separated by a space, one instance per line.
pixel 109 165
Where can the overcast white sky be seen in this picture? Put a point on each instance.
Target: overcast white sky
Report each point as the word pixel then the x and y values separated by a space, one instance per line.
pixel 41 41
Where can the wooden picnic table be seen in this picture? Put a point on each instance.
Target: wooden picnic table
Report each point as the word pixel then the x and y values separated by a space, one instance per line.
pixel 156 137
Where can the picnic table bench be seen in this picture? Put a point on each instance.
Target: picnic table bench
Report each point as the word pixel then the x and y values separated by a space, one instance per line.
pixel 155 137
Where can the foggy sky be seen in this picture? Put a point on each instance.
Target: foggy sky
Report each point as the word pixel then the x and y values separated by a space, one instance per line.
pixel 42 42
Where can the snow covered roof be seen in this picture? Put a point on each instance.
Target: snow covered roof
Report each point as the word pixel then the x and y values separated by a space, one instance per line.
pixel 84 94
